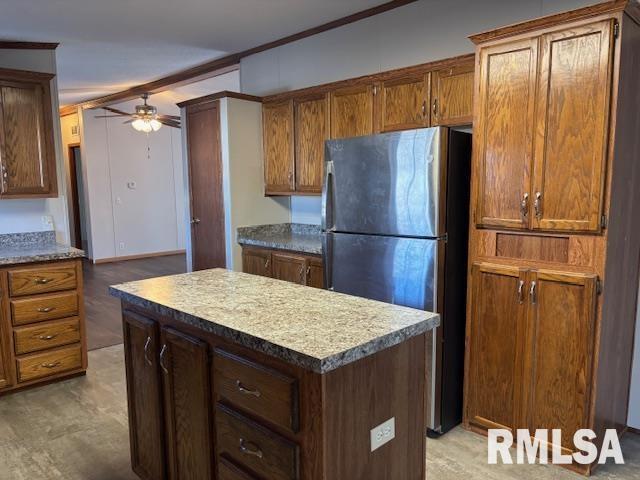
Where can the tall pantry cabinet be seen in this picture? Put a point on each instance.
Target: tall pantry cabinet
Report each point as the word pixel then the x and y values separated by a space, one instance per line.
pixel 554 236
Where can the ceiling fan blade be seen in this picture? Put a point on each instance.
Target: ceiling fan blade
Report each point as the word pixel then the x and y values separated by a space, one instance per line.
pixel 110 116
pixel 170 123
pixel 115 110
pixel 128 121
pixel 169 117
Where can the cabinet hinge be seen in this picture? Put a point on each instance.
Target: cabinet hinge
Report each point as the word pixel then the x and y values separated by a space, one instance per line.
pixel 616 30
pixel 603 221
pixel 598 286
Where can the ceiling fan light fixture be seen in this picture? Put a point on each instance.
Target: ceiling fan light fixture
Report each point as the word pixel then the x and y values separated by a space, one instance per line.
pixel 146 118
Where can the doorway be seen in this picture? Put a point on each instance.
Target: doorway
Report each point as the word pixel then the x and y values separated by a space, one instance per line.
pixel 76 219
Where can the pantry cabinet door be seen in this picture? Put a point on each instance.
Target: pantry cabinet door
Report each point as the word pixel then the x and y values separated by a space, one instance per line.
pixel 572 128
pixel 277 138
pixel 561 316
pixel 311 131
pixel 144 395
pixel 495 341
pixel 503 133
pixel 352 111
pixel 404 103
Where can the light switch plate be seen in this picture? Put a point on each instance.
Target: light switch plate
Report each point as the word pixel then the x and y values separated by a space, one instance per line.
pixel 383 433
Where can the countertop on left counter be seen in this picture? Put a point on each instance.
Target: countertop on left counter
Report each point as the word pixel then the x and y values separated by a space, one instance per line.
pixel 30 247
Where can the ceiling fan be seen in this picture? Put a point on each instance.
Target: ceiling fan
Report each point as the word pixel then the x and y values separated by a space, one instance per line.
pixel 146 118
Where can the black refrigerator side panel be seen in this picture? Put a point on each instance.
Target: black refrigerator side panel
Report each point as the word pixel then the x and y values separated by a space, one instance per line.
pixel 455 277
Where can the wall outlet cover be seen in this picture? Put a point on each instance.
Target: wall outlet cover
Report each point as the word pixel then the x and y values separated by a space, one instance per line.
pixel 383 433
pixel 121 245
pixel 47 222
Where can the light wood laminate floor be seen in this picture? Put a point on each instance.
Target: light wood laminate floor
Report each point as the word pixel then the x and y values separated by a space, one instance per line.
pixel 77 430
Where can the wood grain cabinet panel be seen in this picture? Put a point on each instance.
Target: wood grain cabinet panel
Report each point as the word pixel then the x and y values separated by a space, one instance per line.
pixel 38 337
pixel 46 364
pixel 42 279
pixel 452 95
pixel 256 261
pixel 311 130
pixel 572 127
pixel 315 273
pixel 188 416
pixel 278 147
pixel 288 267
pixel 27 156
pixel 496 340
pixel 404 103
pixel 503 140
pixel 561 316
pixel 352 111
pixel 227 470
pixel 44 307
pixel 144 395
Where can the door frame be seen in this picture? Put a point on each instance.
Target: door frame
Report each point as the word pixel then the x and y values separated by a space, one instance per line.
pixel 75 223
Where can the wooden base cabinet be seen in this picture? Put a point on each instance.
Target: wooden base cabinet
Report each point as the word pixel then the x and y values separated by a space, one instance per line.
pixel 204 408
pixel 42 324
pixel 288 266
pixel 554 244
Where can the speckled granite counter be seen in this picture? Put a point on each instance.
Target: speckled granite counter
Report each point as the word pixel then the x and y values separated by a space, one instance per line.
pixel 16 248
pixel 316 329
pixel 296 237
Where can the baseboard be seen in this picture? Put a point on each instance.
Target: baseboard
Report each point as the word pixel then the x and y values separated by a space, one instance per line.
pixel 633 430
pixel 139 256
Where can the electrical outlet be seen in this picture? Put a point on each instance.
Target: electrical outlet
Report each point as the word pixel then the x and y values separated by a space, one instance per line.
pixel 383 433
pixel 47 222
pixel 121 245
pixel 132 185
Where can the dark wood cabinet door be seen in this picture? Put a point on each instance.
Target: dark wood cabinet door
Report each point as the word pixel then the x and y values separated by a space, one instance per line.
pixel 503 133
pixel 404 103
pixel 205 186
pixel 352 111
pixel 452 96
pixel 572 127
pixel 311 131
pixel 256 261
pixel 27 156
pixel 561 320
pixel 315 273
pixel 291 268
pixel 187 391
pixel 144 395
pixel 278 147
pixel 494 381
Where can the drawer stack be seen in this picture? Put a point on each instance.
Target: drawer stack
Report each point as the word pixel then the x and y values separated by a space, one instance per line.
pixel 254 403
pixel 46 316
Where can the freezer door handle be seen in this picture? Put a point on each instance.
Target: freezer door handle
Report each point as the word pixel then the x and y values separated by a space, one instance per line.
pixel 327 253
pixel 327 211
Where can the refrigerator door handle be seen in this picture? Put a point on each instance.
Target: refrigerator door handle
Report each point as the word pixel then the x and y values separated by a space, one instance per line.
pixel 327 255
pixel 327 213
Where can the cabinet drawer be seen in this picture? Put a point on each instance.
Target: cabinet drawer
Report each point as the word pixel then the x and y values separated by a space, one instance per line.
pixel 46 335
pixel 260 390
pixel 49 307
pixel 259 449
pixel 229 471
pixel 30 281
pixel 49 363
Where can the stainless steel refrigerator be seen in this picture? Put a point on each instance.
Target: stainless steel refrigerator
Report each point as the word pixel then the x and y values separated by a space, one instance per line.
pixel 395 214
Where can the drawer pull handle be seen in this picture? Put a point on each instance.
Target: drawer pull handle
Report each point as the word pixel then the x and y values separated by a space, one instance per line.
pixel 50 365
pixel 47 337
pixel 146 352
pixel 46 309
pixel 42 281
pixel 246 391
pixel 162 365
pixel 250 448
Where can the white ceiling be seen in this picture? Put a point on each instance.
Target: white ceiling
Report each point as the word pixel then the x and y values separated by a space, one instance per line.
pixel 109 45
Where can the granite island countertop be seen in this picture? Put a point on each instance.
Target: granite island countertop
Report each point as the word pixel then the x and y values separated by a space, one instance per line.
pixel 18 248
pixel 295 237
pixel 315 329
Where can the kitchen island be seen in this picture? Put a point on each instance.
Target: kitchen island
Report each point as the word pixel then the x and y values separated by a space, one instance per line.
pixel 235 376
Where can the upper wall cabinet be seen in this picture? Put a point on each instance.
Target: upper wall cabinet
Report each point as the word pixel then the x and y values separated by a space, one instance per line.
pixel 404 103
pixel 352 110
pixel 27 152
pixel 452 95
pixel 311 129
pixel 277 124
pixel 542 128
